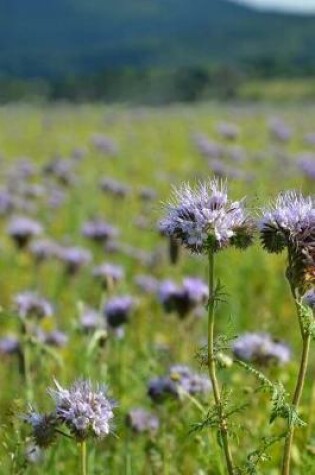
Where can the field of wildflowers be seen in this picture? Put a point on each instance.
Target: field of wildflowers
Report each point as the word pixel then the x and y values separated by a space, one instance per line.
pixel 112 274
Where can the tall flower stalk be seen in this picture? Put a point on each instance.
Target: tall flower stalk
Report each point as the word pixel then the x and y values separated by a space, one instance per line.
pixel 205 221
pixel 290 224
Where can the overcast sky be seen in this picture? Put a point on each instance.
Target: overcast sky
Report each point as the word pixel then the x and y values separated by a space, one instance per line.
pixel 292 5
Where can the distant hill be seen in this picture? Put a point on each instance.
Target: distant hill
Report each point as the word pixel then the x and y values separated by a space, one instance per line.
pixel 64 37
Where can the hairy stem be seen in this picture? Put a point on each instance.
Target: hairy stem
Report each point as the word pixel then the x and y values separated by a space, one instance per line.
pixel 212 367
pixel 83 458
pixel 295 403
pixel 306 340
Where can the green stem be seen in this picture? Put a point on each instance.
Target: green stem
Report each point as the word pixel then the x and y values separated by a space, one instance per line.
pixel 295 403
pixel 83 458
pixel 27 362
pixel 212 367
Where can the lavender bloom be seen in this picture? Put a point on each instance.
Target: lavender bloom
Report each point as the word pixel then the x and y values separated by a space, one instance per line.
pixel 90 319
pixel 99 230
pixel 22 229
pixel 183 300
pixel 86 410
pixel 189 381
pixel 30 304
pixel 118 310
pixel 55 338
pixel 43 427
pixel 62 170
pixel 179 379
pixel 261 348
pixel 290 223
pixel 140 420
pixel 108 274
pixel 74 258
pixel 104 144
pixel 203 217
pixel 9 345
pixel 147 283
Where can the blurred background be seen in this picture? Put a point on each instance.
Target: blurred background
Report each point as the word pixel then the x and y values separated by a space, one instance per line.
pixel 157 51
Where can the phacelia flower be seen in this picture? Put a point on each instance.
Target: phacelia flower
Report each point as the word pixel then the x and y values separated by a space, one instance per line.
pixel 261 348
pixel 74 258
pixel 84 409
pixel 30 304
pixel 43 427
pixel 203 217
pixel 118 310
pixel 183 299
pixel 108 274
pixel 141 420
pixel 180 379
pixel 290 224
pixel 22 229
pixel 99 230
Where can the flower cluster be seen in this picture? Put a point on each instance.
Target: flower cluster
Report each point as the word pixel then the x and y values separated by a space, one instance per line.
pixel 290 224
pixel 182 300
pixel 203 217
pixel 84 409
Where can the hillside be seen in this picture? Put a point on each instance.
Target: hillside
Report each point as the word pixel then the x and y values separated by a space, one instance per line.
pixel 82 36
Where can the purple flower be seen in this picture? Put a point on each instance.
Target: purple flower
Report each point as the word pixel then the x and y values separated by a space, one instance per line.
pixel 90 319
pixel 306 163
pixel 184 299
pixel 74 258
pixel 290 223
pixel 279 130
pixel 61 170
pixel 108 274
pixel 261 348
pixel 147 283
pixel 118 310
pixel 43 427
pixel 180 379
pixel 30 304
pixel 141 420
pixel 104 144
pixel 55 338
pixel 22 229
pixel 84 408
pixel 203 216
pixel 9 345
pixel 99 230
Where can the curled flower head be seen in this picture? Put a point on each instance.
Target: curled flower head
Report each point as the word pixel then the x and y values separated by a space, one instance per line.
pixel 43 427
pixel 290 223
pixel 85 409
pixel 22 229
pixel 203 217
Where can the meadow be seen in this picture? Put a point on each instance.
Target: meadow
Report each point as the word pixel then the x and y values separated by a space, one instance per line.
pixel 67 166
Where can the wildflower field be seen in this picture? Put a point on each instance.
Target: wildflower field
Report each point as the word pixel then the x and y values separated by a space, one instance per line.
pixel 104 313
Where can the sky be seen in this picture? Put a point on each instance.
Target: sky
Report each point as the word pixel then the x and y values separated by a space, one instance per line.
pixel 289 5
